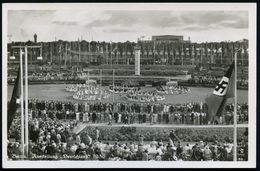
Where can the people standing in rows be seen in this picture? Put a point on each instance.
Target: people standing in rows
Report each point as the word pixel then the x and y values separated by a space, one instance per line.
pixel 190 113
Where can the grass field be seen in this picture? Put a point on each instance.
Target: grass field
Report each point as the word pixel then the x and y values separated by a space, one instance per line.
pixel 57 92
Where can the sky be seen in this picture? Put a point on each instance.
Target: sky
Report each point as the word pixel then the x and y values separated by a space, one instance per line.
pixel 126 25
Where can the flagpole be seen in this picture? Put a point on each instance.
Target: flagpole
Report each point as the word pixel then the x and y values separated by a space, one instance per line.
pixel 24 114
pixel 113 85
pixel 26 104
pixel 235 110
pixel 100 78
pixel 66 52
pixel 51 53
pixel 21 102
pixel 111 54
pixel 70 54
pixel 181 55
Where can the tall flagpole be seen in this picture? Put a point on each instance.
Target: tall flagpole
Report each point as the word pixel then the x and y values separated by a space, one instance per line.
pixel 21 101
pixel 181 55
pixel 24 114
pixel 111 50
pixel 154 52
pixel 113 85
pixel 235 110
pixel 26 104
pixel 51 53
pixel 78 56
pixel 100 78
pixel 66 53
pixel 70 54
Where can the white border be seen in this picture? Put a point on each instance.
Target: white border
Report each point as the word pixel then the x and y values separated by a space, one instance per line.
pixel 250 7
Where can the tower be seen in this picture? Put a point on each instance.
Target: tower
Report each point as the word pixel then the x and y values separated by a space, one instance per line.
pixel 137 60
pixel 35 38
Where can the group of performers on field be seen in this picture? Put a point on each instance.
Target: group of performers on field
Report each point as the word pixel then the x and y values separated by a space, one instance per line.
pixel 90 91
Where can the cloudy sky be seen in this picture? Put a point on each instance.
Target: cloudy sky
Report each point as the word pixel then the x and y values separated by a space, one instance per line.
pixel 123 25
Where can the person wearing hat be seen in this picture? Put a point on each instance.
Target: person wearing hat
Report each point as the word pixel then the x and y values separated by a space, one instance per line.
pixel 97 133
pixel 186 152
pixel 78 139
pixel 196 153
pixel 154 142
pixel 201 145
pixel 63 148
pixel 80 149
pixel 159 149
pixel 145 155
pixel 70 141
pixel 48 137
pixel 173 136
pixel 179 151
pixel 141 139
pixel 49 149
pixel 174 157
pixel 158 157
pixel 168 154
pixel 207 154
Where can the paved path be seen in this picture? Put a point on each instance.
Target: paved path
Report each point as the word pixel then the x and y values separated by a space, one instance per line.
pixel 80 127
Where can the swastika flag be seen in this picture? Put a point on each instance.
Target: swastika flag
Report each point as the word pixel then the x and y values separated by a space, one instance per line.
pixel 15 100
pixel 224 90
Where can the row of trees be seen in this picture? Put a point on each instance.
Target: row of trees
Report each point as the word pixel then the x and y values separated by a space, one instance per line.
pixel 123 53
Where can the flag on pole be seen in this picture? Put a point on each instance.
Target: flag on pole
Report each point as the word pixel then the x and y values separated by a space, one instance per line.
pixel 224 90
pixel 15 100
pixel 115 49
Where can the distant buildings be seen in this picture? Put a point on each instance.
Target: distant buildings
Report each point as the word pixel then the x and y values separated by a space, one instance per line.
pixel 159 50
pixel 166 39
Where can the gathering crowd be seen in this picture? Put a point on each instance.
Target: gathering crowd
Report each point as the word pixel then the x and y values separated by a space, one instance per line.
pixel 54 140
pixel 200 78
pixel 172 89
pixel 47 76
pixel 214 80
pixel 52 135
pixel 130 113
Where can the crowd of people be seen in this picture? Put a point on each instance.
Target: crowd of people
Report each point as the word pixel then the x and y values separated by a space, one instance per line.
pixel 54 140
pixel 89 85
pixel 52 76
pixel 124 89
pixel 210 80
pixel 172 90
pixel 91 96
pixel 130 113
pixel 242 112
pixel 145 96
pixel 52 136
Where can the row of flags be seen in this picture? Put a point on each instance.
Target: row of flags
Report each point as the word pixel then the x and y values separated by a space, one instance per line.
pixel 162 52
pixel 192 48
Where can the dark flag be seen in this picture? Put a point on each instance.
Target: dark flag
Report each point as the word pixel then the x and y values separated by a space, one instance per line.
pixel 224 90
pixel 15 101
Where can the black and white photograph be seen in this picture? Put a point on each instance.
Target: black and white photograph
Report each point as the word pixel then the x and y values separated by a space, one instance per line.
pixel 156 85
